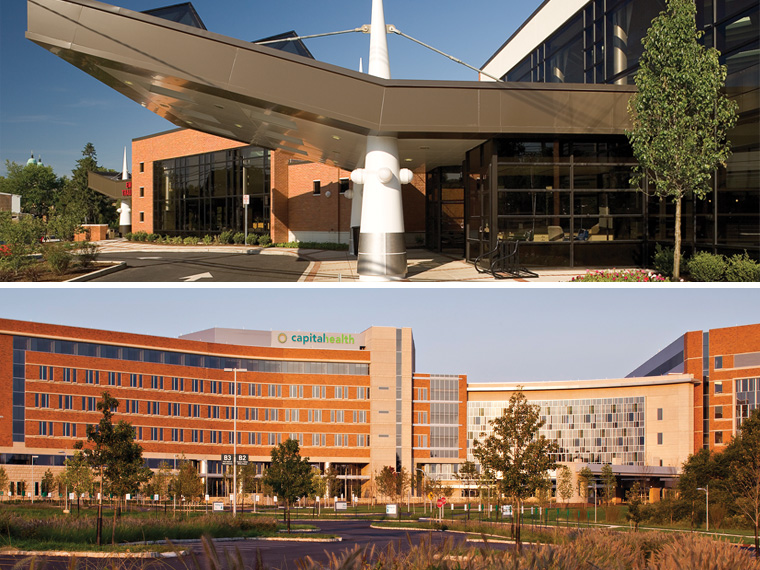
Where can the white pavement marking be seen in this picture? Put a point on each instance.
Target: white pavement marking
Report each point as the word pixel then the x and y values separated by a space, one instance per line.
pixel 192 278
pixel 144 258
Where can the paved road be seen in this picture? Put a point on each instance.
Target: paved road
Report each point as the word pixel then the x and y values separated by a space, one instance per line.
pixel 204 267
pixel 281 555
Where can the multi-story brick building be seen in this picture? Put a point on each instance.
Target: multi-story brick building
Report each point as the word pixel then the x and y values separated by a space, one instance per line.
pixel 354 401
pixel 347 398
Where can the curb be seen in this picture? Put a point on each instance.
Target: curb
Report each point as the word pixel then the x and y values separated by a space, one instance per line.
pixel 86 554
pixel 99 273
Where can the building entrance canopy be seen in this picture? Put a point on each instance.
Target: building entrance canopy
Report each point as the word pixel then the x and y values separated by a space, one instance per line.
pixel 321 112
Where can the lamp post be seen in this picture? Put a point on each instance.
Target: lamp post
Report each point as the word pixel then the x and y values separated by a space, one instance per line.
pixel 234 438
pixel 33 458
pixel 424 504
pixel 706 489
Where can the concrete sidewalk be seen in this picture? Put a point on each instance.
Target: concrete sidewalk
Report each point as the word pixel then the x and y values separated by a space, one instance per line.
pixel 339 266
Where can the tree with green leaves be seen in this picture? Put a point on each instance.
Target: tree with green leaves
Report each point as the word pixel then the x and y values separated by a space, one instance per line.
pixel 391 483
pixel 77 201
pixel 3 482
pixel 331 481
pixel 680 115
pixel 515 451
pixel 47 484
pixel 77 476
pixel 187 483
pixel 564 484
pixel 289 474
pixel 22 239
pixel 609 484
pixel 111 450
pixel 161 481
pixel 744 473
pixel 585 477
pixel 468 475
pixel 37 185
pixel 635 512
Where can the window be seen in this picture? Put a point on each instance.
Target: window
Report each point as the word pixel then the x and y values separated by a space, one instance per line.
pixel 69 430
pixel 659 414
pixel 659 439
pixel 46 372
pixel 344 185
pixel 178 384
pixel 66 402
pixel 135 381
pixel 142 191
pixel 142 167
pixel 718 362
pixel 46 428
pixel 69 375
pixel 319 392
pixel 42 400
pixel 718 438
pixel 422 417
pixel 274 390
pixel 315 415
pixel 295 391
pixel 422 394
pixel 142 216
pixel 316 188
pixel 360 417
pixel 177 434
pixel 88 403
pixel 718 412
pixel 213 412
pixel 92 377
pixel 157 382
pixel 718 387
pixel 362 393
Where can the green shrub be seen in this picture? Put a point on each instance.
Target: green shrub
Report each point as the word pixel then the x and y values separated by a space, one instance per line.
pixel 140 236
pixel 128 236
pixel 252 239
pixel 177 240
pixel 741 267
pixel 152 237
pixel 58 257
pixel 226 236
pixel 208 240
pixel 708 267
pixel 238 238
pixel 191 240
pixel 265 241
pixel 663 261
pixel 87 254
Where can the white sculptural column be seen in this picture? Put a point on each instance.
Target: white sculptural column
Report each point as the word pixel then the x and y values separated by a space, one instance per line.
pixel 382 251
pixel 125 210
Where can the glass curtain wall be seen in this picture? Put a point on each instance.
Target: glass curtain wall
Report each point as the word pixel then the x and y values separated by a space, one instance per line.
pixel 604 39
pixel 569 202
pixel 203 194
pixel 444 216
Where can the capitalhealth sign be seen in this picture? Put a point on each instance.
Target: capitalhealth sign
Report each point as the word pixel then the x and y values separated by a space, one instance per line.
pixel 314 340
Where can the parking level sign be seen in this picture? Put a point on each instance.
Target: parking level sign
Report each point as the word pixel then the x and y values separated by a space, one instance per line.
pixel 227 459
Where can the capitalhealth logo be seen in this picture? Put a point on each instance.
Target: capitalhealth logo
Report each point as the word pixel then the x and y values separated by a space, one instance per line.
pixel 315 338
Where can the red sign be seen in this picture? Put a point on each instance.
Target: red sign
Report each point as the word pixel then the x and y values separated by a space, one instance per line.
pixel 128 189
pixel 441 502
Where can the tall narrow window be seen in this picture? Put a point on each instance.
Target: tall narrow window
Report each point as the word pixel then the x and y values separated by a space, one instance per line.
pixel 317 187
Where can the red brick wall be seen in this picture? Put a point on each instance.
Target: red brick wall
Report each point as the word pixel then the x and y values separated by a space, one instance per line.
pixel 293 207
pixel 172 144
pixel 79 388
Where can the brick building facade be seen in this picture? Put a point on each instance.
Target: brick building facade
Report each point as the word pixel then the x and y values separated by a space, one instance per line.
pixel 304 201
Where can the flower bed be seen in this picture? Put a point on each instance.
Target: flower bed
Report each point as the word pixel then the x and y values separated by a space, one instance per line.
pixel 620 276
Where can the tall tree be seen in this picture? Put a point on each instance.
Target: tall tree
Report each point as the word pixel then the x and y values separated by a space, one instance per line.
pixel 3 481
pixel 680 115
pixel 609 484
pixel 585 477
pixel 516 452
pixel 635 505
pixel 80 203
pixel 468 475
pixel 77 476
pixel 47 484
pixel 744 475
pixel 289 474
pixel 112 451
pixel 37 185
pixel 564 483
pixel 187 483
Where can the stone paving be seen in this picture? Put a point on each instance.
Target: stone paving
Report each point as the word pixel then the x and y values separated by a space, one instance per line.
pixel 338 266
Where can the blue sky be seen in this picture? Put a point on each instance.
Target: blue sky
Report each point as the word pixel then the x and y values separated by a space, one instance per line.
pixel 490 334
pixel 54 109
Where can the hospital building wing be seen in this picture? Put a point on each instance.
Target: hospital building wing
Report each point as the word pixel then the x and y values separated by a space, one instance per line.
pixel 540 157
pixel 358 405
